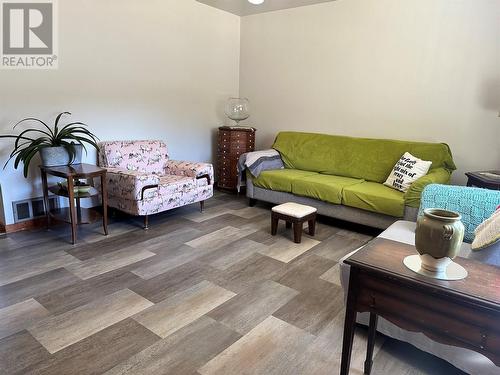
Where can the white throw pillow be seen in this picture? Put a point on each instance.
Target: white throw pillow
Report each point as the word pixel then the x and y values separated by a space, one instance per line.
pixel 488 232
pixel 406 171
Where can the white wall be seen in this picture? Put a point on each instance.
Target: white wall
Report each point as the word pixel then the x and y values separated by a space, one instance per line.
pixel 131 70
pixel 420 70
pixel 424 70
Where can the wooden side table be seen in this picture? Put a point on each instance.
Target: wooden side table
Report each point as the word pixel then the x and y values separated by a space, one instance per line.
pixel 232 142
pixel 75 215
pixel 463 313
pixel 485 179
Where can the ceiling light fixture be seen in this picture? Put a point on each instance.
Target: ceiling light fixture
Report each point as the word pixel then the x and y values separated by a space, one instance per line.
pixel 256 2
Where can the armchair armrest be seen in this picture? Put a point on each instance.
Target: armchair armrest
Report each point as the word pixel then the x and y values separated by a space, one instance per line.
pixel 130 184
pixel 435 176
pixel 191 169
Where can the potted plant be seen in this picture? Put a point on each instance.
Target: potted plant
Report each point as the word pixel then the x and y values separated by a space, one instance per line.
pixel 59 145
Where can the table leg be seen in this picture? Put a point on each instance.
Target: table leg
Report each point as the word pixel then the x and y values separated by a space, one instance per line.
pixel 72 210
pixel 312 226
pixel 46 201
pixel 297 231
pixel 104 197
pixel 372 330
pixel 349 323
pixel 78 210
pixel 274 224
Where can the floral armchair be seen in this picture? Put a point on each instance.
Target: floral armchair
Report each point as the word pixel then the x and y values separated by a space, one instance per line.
pixel 142 180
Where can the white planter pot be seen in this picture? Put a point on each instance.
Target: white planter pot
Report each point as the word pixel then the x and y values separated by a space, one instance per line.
pixel 56 156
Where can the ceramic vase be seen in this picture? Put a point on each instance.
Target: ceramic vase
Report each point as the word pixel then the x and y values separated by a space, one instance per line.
pixel 438 238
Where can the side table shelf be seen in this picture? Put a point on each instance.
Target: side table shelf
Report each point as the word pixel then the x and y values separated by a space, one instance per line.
pixel 64 192
pixel 83 215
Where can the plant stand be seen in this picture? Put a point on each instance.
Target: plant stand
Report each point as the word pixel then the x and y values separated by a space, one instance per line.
pixel 75 214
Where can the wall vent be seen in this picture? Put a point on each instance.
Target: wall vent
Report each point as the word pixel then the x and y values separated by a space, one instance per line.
pixel 32 208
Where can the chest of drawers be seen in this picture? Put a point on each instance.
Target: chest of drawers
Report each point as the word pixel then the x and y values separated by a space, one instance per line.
pixel 231 143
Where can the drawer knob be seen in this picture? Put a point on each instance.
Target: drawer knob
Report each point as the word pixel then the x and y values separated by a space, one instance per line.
pixel 372 304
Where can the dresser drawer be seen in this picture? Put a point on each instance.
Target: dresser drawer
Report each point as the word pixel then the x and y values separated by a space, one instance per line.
pixel 414 310
pixel 224 141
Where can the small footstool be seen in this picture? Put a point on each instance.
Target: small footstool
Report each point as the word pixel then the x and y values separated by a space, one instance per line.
pixel 296 214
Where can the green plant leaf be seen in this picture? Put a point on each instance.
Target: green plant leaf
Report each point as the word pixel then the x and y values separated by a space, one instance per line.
pixel 26 144
pixel 14 153
pixel 27 160
pixel 21 156
pixel 72 124
pixel 86 140
pixel 70 147
pixel 56 123
pixel 73 136
pixel 79 134
pixel 36 120
pixel 30 130
pixel 14 136
pixel 78 142
pixel 64 132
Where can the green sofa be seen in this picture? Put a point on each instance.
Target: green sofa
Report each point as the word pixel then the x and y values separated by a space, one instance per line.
pixel 343 176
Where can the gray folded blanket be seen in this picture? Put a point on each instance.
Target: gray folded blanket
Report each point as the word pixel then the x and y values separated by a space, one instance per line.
pixel 256 162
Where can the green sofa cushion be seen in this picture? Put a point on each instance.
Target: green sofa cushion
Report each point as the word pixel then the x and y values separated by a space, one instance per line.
pixel 323 187
pixel 280 179
pixel 435 176
pixel 374 197
pixel 364 158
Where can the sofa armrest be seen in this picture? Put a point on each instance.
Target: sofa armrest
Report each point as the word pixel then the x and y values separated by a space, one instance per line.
pixel 130 184
pixel 191 169
pixel 435 176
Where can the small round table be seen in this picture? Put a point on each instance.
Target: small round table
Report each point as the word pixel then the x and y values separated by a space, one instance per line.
pixel 296 214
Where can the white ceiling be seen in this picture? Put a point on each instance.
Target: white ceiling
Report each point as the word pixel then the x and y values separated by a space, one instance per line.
pixel 244 8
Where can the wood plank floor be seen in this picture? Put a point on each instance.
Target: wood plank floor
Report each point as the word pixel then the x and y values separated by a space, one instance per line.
pixel 198 293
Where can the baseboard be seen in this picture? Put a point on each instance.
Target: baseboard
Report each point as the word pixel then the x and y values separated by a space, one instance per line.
pixel 39 222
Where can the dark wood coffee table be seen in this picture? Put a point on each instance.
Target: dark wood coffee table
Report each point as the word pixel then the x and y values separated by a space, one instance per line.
pixel 76 215
pixel 464 313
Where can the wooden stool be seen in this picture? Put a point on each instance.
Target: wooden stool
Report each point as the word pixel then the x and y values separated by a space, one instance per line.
pixel 296 214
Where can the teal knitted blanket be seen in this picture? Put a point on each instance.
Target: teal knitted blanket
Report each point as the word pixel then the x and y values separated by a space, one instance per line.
pixel 474 204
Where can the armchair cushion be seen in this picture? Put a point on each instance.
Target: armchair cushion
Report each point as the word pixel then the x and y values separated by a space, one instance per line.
pixel 190 169
pixel 129 184
pixel 173 184
pixel 143 156
pixel 170 185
